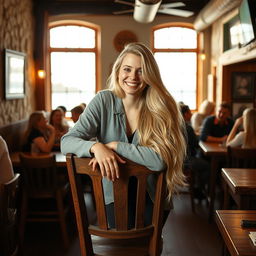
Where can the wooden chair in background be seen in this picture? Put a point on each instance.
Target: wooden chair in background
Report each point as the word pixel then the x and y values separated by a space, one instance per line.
pixel 9 240
pixel 241 157
pixel 140 240
pixel 44 193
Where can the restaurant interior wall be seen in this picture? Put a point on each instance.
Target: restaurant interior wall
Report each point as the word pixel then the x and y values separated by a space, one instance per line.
pixel 17 33
pixel 110 25
pixel 233 60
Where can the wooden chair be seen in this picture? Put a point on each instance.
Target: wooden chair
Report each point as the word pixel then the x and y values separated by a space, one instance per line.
pixel 9 242
pixel 140 240
pixel 44 193
pixel 241 157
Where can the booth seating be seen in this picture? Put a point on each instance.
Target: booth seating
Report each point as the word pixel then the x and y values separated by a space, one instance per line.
pixel 12 134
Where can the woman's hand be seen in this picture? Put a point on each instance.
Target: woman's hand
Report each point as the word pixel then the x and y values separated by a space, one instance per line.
pixel 51 128
pixel 107 160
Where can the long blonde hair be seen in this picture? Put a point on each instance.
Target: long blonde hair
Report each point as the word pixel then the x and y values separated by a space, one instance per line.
pixel 161 124
pixel 249 123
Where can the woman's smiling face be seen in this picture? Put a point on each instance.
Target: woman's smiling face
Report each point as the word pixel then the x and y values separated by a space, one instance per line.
pixel 130 75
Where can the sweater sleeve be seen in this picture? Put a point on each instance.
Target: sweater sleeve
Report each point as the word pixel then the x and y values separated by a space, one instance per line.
pixel 78 139
pixel 142 155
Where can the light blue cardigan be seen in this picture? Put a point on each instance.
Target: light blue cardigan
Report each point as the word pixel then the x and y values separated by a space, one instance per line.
pixel 104 119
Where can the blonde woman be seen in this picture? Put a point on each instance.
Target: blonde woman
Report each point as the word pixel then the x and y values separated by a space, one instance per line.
pixel 205 109
pixel 247 137
pixel 39 136
pixel 135 118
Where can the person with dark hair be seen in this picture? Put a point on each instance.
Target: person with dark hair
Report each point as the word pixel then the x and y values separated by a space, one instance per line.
pixel 76 112
pixel 216 128
pixel 63 109
pixel 199 166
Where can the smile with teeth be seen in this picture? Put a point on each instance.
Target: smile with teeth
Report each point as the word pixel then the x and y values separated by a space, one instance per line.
pixel 130 84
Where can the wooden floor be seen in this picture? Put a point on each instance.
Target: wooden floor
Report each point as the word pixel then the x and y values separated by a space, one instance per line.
pixel 184 234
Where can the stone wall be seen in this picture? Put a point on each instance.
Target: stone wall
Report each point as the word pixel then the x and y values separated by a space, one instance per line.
pixel 17 33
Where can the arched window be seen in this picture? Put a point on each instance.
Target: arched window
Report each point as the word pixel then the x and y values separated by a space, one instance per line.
pixel 73 64
pixel 176 49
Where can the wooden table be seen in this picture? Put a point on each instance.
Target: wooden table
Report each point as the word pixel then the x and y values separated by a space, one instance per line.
pixel 235 237
pixel 240 183
pixel 60 159
pixel 216 152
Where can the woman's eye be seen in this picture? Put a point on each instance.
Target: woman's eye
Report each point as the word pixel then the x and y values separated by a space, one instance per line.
pixel 139 72
pixel 127 69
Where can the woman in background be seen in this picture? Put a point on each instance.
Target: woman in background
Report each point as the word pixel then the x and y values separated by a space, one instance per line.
pixel 39 136
pixel 57 121
pixel 136 119
pixel 205 109
pixel 6 169
pixel 247 137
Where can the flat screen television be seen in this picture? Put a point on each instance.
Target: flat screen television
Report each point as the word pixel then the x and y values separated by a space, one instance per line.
pixel 247 15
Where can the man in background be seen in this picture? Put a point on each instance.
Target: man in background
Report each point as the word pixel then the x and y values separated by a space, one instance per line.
pixel 216 128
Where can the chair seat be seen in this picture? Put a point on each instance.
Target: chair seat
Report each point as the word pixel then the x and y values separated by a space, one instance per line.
pixel 113 247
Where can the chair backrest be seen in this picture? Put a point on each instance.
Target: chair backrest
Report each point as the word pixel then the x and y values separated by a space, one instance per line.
pixel 8 217
pixel 39 175
pixel 241 157
pixel 79 166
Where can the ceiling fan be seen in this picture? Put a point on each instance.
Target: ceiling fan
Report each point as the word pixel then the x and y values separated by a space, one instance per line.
pixel 145 10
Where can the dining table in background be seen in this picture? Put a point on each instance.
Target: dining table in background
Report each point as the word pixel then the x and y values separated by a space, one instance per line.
pixel 216 152
pixel 60 159
pixel 236 238
pixel 240 183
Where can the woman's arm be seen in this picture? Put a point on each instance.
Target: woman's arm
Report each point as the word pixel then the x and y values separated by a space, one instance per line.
pixel 42 144
pixel 139 154
pixel 234 130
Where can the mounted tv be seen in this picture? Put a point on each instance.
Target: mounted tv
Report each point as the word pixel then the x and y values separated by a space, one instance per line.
pixel 247 15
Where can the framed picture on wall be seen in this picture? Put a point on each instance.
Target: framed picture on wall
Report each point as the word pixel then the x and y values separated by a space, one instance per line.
pixel 239 107
pixel 14 74
pixel 243 84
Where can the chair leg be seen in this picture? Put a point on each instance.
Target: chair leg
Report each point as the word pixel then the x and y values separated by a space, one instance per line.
pixel 23 216
pixel 62 220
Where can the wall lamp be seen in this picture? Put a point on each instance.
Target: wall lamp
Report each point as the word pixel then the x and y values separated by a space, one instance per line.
pixel 41 73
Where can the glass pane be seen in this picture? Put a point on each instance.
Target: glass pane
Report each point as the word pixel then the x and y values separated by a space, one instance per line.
pixel 72 37
pixel 175 37
pixel 178 71
pixel 72 78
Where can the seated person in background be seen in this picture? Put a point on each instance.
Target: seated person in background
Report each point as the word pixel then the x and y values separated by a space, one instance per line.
pixel 83 105
pixel 246 138
pixel 6 170
pixel 57 121
pixel 206 109
pixel 39 136
pixel 216 128
pixel 64 109
pixel 199 166
pixel 76 112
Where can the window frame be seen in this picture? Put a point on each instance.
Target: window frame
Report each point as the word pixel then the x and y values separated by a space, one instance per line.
pixel 95 50
pixel 199 85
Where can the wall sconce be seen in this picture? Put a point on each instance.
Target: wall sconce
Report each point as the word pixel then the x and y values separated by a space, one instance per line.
pixel 202 56
pixel 41 73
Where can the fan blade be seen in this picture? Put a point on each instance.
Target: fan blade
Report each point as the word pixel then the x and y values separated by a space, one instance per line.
pixel 176 12
pixel 124 2
pixel 123 12
pixel 172 5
